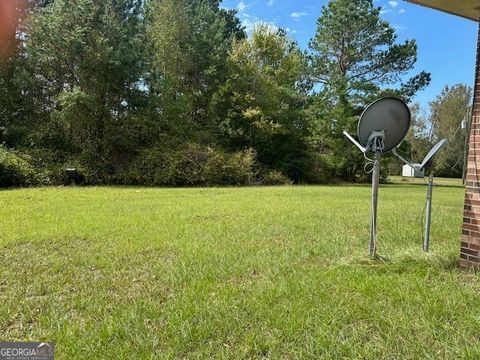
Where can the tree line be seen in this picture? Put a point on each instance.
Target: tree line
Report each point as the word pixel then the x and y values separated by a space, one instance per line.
pixel 177 93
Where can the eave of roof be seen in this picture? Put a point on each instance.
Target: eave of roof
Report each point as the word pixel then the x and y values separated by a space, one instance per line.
pixel 469 9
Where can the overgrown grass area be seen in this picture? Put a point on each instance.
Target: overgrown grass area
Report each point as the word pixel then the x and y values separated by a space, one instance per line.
pixel 238 273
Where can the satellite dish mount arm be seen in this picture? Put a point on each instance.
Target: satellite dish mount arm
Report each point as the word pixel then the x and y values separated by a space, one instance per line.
pixel 394 151
pixel 355 142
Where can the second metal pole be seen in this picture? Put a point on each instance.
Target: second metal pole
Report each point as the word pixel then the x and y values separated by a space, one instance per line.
pixel 426 241
pixel 373 224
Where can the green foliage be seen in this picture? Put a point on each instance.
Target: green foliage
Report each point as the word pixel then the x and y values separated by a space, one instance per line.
pixel 18 101
pixel 355 51
pixel 274 177
pixel 15 170
pixel 87 56
pixel 107 86
pixel 76 117
pixel 260 106
pixel 354 58
pixel 190 165
pixel 190 42
pixel 418 137
pixel 448 111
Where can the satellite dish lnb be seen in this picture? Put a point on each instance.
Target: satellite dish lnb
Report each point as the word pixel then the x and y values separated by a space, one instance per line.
pixel 388 118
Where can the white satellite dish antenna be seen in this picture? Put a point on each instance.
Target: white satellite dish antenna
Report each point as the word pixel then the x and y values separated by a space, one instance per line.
pixel 381 128
pixel 426 164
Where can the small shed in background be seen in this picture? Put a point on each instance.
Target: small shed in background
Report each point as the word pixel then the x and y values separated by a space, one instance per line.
pixel 409 171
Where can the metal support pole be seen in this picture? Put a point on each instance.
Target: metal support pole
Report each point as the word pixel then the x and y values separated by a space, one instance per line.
pixel 373 224
pixel 426 241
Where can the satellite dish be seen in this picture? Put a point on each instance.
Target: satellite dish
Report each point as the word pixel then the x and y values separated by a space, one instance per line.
pixel 426 163
pixel 388 115
pixel 432 153
pixel 381 128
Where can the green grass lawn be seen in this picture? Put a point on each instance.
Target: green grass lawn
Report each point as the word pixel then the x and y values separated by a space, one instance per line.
pixel 420 181
pixel 280 273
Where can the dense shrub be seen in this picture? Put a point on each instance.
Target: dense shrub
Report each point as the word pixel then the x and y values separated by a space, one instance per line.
pixel 190 165
pixel 17 171
pixel 274 177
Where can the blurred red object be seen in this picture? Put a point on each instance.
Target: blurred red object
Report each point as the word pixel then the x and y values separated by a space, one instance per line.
pixel 8 23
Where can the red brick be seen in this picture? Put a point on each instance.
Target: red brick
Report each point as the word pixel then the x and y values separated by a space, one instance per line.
pixel 473 210
pixel 471 227
pixel 475 247
pixel 470 244
pixel 471 240
pixel 469 265
pixel 469 252
pixel 470 214
pixel 472 196
pixel 472 202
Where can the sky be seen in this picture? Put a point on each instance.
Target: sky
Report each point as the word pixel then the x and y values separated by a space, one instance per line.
pixel 446 43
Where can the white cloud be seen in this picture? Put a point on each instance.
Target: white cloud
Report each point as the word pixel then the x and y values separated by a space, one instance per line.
pixel 297 15
pixel 241 6
pixel 393 3
pixel 402 11
pixel 385 11
pixel 249 22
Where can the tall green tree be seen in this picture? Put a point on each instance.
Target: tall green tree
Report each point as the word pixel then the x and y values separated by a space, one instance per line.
pixel 18 90
pixel 355 58
pixel 261 104
pixel 448 113
pixel 355 54
pixel 87 56
pixel 190 42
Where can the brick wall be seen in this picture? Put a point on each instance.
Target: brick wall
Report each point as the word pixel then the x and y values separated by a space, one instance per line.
pixel 470 247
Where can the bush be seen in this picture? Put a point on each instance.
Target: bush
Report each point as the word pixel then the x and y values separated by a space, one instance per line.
pixel 17 171
pixel 190 165
pixel 317 170
pixel 239 168
pixel 274 177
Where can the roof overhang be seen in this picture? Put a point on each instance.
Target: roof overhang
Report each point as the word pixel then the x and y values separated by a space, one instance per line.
pixel 469 9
